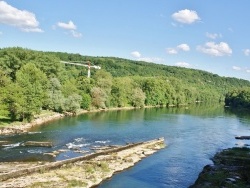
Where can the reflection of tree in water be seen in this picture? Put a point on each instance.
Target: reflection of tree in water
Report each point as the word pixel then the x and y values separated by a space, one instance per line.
pixel 123 116
pixel 120 116
pixel 242 114
pixel 206 110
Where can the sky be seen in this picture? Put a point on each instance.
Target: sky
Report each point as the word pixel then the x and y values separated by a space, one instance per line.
pixel 211 36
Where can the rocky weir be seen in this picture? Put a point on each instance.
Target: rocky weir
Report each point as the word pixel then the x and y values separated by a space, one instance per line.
pixel 84 171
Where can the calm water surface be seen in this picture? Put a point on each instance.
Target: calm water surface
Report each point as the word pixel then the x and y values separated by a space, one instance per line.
pixel 192 136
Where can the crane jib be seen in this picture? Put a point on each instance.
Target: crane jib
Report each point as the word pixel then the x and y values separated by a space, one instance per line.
pixel 83 65
pixel 79 64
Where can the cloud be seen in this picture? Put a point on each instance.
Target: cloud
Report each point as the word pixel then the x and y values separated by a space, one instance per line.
pixel 68 26
pixel 75 34
pixel 171 51
pixel 186 16
pixel 246 52
pixel 213 49
pixel 151 59
pixel 139 57
pixel 183 64
pixel 136 54
pixel 247 70
pixel 236 68
pixel 183 47
pixel 213 35
pixel 180 47
pixel 22 19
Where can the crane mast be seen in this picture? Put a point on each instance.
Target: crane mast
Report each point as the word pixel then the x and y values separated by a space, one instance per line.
pixel 83 65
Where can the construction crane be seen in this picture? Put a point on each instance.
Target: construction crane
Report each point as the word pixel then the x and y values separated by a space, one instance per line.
pixel 83 65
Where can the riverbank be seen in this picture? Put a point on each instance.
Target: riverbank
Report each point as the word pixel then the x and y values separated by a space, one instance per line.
pixel 22 127
pixel 84 171
pixel 230 169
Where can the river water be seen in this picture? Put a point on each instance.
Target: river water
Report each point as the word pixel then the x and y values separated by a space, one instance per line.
pixel 193 135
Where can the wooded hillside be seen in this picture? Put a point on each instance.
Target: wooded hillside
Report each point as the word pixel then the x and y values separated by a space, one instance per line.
pixel 32 80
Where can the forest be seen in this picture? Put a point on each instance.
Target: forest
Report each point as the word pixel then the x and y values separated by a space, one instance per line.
pixel 239 98
pixel 31 81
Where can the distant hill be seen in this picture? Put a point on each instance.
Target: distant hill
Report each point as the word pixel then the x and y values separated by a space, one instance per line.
pixel 120 67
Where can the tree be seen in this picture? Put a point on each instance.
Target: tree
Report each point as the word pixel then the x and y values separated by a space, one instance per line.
pixel 4 92
pixel 69 88
pixel 99 97
pixel 34 86
pixel 103 80
pixel 121 91
pixel 10 62
pixel 154 88
pixel 50 65
pixel 84 84
pixel 238 98
pixel 72 103
pixel 56 99
pixel 86 101
pixel 137 98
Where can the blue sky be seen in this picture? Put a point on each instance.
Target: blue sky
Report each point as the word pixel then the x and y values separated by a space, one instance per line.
pixel 211 36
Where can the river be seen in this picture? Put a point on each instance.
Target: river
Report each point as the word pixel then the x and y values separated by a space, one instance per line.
pixel 193 135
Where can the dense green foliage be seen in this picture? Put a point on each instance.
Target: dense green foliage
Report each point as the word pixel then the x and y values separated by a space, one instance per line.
pixel 238 98
pixel 32 80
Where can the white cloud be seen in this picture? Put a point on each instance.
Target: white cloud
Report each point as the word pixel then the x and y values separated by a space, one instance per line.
pixel 246 52
pixel 183 47
pixel 183 64
pixel 180 47
pixel 76 34
pixel 22 19
pixel 186 16
pixel 236 68
pixel 151 59
pixel 139 57
pixel 213 49
pixel 171 51
pixel 213 35
pixel 69 26
pixel 136 54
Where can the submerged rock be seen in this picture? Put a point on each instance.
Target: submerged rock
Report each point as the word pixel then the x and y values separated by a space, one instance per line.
pixel 38 144
pixel 4 143
pixel 242 137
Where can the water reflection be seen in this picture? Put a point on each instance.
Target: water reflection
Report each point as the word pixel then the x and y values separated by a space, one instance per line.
pixel 193 135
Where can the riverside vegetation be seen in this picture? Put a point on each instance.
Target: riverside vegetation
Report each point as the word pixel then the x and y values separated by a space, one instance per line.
pixel 32 81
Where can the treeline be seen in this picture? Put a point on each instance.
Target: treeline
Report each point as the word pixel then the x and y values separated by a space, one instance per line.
pixel 238 98
pixel 32 80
